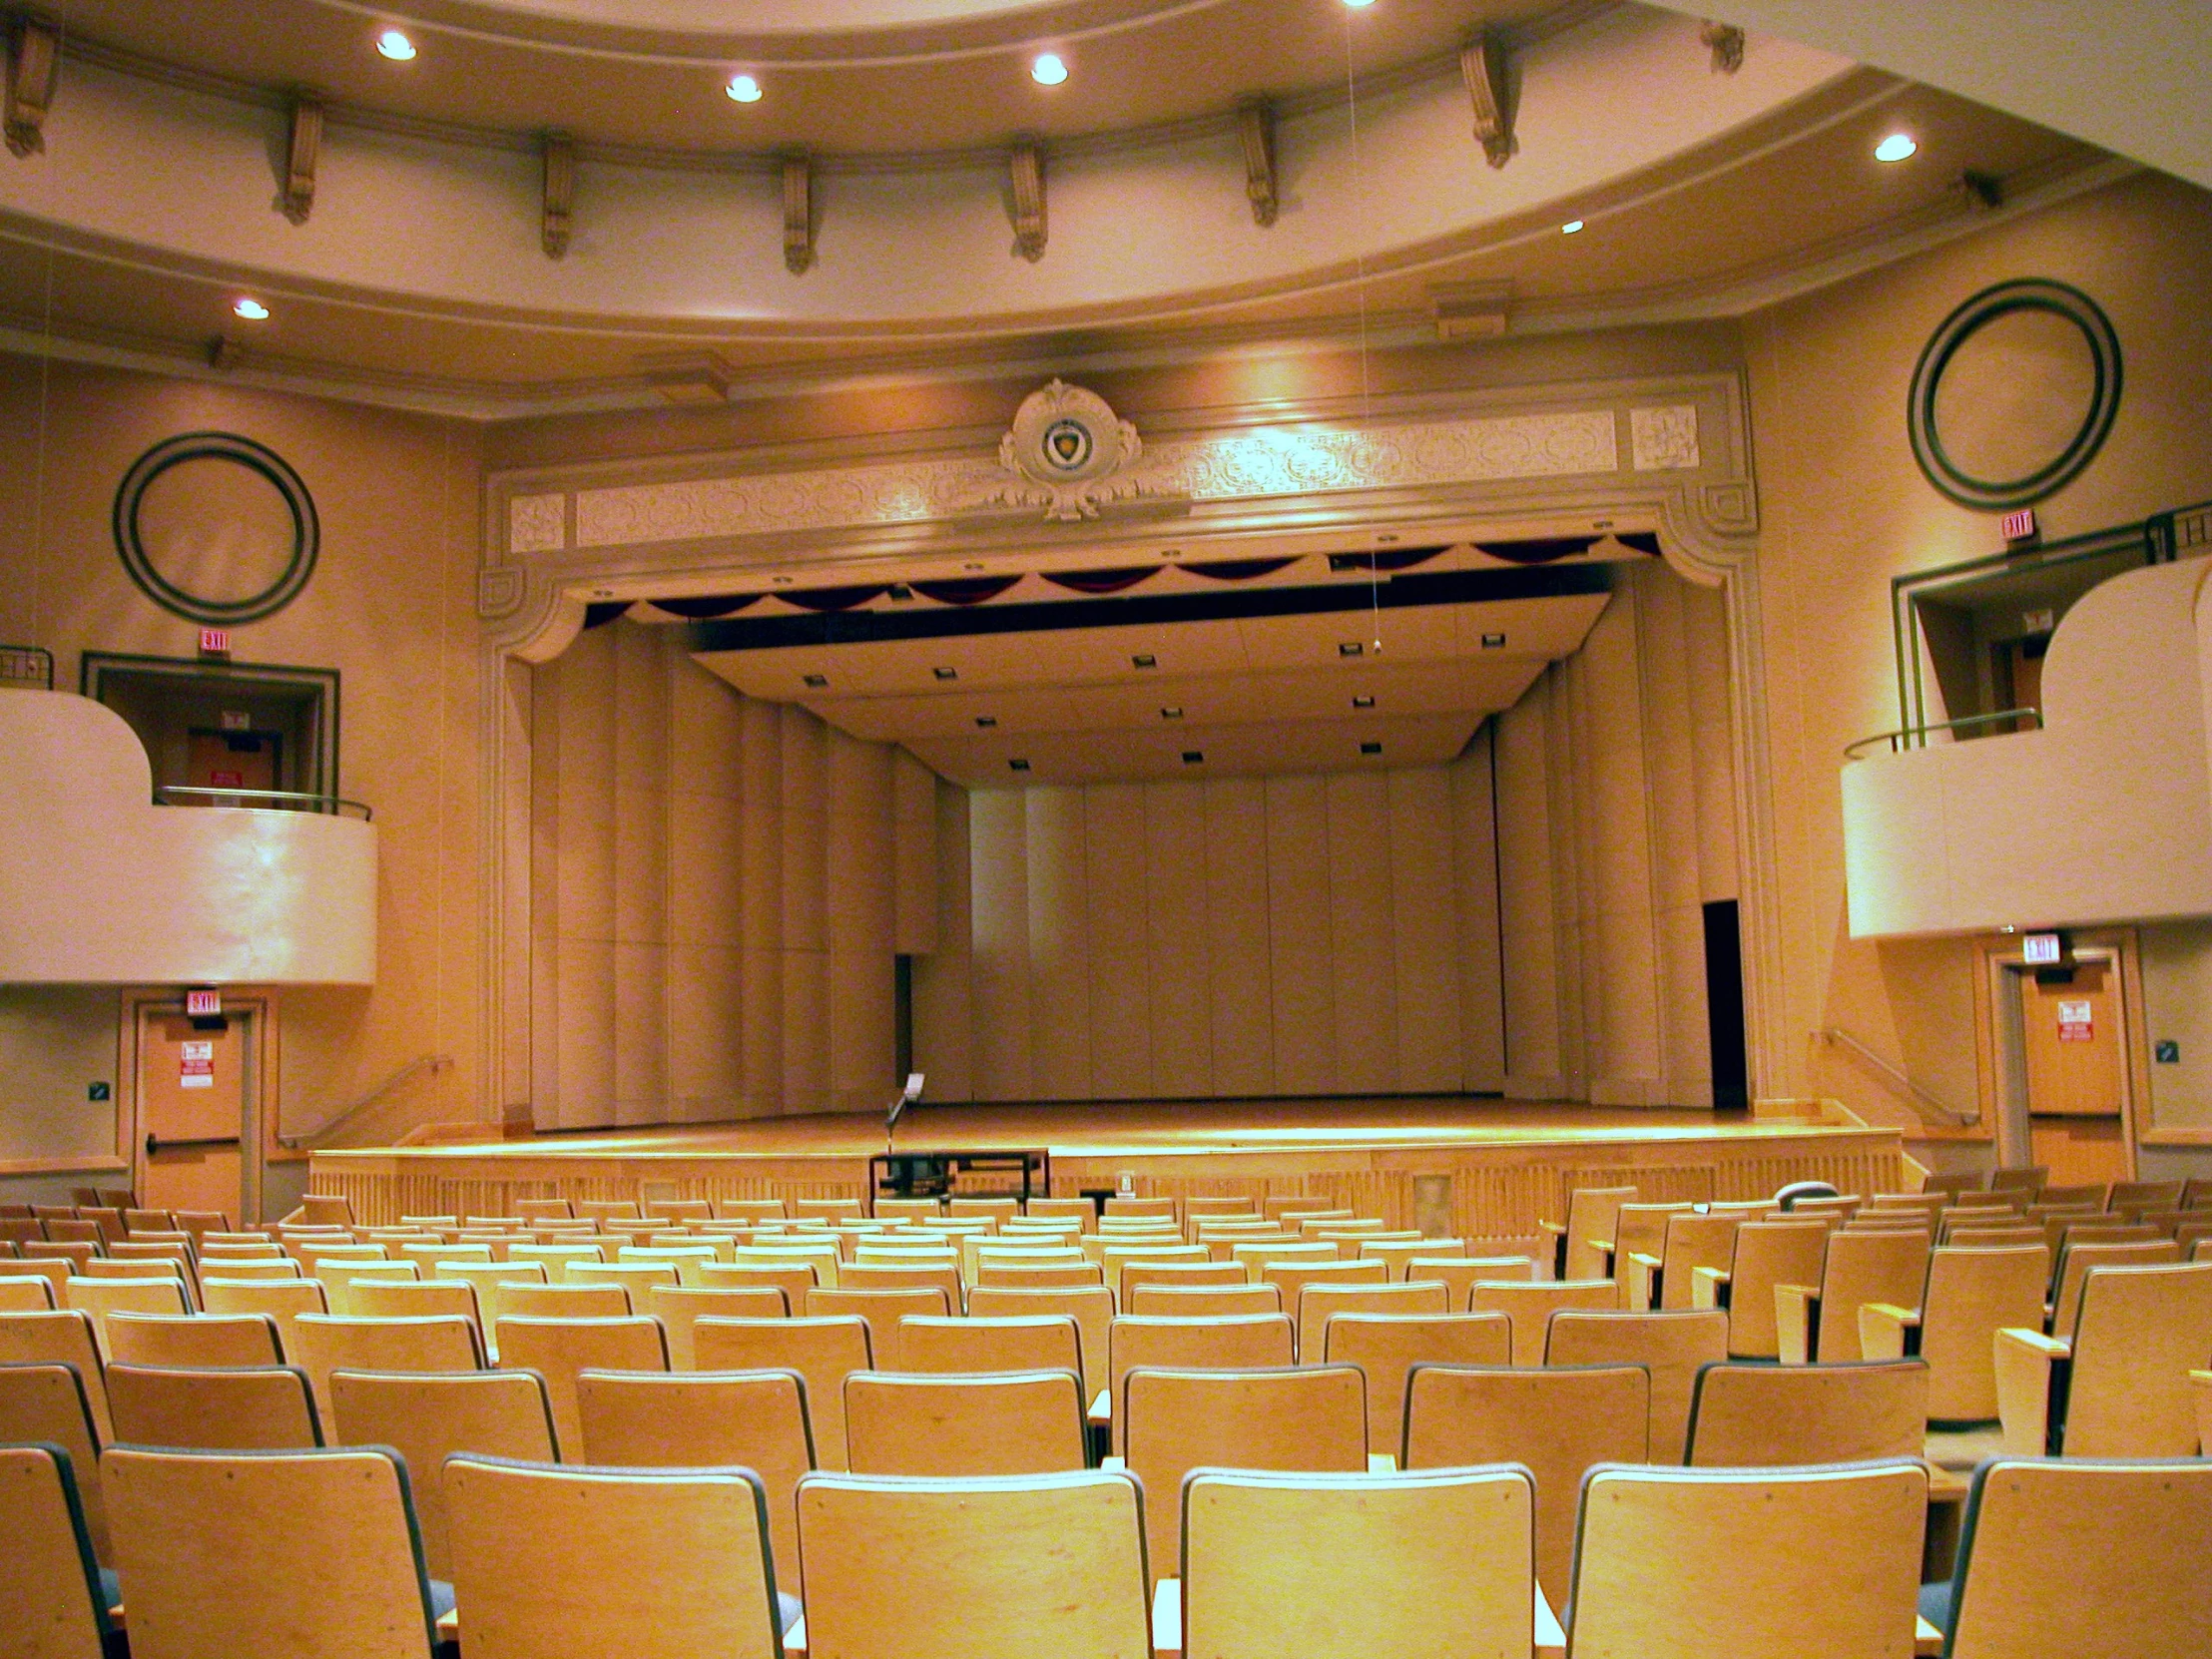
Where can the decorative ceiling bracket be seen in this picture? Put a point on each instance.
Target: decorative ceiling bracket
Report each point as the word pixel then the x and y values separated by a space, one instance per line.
pixel 799 213
pixel 559 156
pixel 1487 63
pixel 34 61
pixel 1725 42
pixel 1255 127
pixel 1025 201
pixel 303 155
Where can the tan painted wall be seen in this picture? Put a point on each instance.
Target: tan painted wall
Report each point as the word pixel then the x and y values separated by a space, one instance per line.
pixel 392 608
pixel 1844 509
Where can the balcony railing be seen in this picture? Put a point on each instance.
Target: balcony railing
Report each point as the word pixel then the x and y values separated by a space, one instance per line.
pixel 280 801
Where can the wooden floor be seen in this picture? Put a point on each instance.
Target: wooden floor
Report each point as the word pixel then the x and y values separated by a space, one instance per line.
pixel 1453 1165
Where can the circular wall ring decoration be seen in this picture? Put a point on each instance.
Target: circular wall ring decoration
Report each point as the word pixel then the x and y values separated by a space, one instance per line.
pixel 2014 394
pixel 215 528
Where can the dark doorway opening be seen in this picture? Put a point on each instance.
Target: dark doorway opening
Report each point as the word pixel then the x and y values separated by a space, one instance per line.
pixel 208 727
pixel 1724 1006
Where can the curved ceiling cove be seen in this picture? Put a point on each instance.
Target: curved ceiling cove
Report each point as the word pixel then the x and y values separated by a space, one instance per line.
pixel 724 19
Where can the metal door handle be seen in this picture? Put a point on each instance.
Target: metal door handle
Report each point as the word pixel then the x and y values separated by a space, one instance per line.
pixel 154 1145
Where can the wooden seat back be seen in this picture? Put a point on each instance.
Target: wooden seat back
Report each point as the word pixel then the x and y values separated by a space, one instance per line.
pixel 1091 1306
pixel 1778 1416
pixel 1767 1253
pixel 1461 1273
pixel 1027 1276
pixel 1592 1215
pixel 1676 1563
pixel 221 1550
pixel 1179 1301
pixel 1640 1228
pixel 283 1301
pixel 1005 1422
pixel 2077 1260
pixel 322 1342
pixel 1529 1306
pixel 932 1343
pixel 2140 1332
pixel 1388 1346
pixel 49 1578
pixel 1394 1254
pixel 48 1403
pixel 1315 1302
pixel 560 1350
pixel 793 1279
pixel 883 1308
pixel 1311 1419
pixel 516 1298
pixel 1556 1424
pixel 258 1408
pixel 1432 1563
pixel 1670 1344
pixel 826 1209
pixel 823 1352
pixel 680 1308
pixel 1132 1275
pixel 101 1297
pixel 1861 1267
pixel 29 1293
pixel 1246 1341
pixel 1971 1296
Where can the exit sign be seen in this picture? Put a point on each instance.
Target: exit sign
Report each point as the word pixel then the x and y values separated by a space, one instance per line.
pixel 215 642
pixel 2041 949
pixel 2019 526
pixel 203 1002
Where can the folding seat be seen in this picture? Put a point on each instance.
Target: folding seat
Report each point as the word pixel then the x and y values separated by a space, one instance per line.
pixel 684 1258
pixel 1311 1420
pixel 749 1209
pixel 48 1403
pixel 428 1257
pixel 1529 1305
pixel 793 1279
pixel 1971 1296
pixel 2077 1258
pixel 107 1222
pixel 555 1258
pixel 826 1209
pixel 1434 1563
pixel 906 1207
pixel 633 1277
pixel 102 1296
pixel 236 1268
pixel 1387 1347
pixel 558 1350
pixel 1001 1210
pixel 678 1209
pixel 822 1352
pixel 282 1300
pixel 1004 1422
pixel 260 1409
pixel 1254 1258
pixel 1058 1275
pixel 1580 1242
pixel 29 1293
pixel 516 1300
pixel 934 1344
pixel 1315 1302
pixel 1818 1321
pixel 1132 1276
pixel 220 1551
pixel 1818 1564
pixel 1461 1273
pixel 919 1276
pixel 2116 1383
pixel 1124 1205
pixel 1396 1254
pixel 823 1255
pixel 1205 1207
pixel 1175 1299
pixel 680 1308
pixel 340 1277
pixel 1638 1228
pixel 1953 1182
pixel 1556 1424
pixel 79 1253
pixel 426 1416
pixel 326 1210
pixel 321 1343
pixel 1253 1341
pixel 1670 1344
pixel 1091 1306
pixel 1767 1253
pixel 2059 1560
pixel 400 1299
pixel 197 1341
pixel 1753 1416
pixel 542 1208
pixel 2136 1197
pixel 50 1580
pixel 883 1308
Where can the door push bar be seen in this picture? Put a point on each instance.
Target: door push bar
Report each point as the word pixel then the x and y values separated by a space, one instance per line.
pixel 154 1144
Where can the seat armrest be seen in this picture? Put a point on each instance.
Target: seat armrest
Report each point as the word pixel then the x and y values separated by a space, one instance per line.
pixel 1113 1462
pixel 1102 1408
pixel 1888 1332
pixel 1708 1288
pixel 1167 1619
pixel 2029 1369
pixel 1797 1324
pixel 1551 1641
pixel 795 1638
pixel 1928 1641
pixel 1559 1229
pixel 1640 1282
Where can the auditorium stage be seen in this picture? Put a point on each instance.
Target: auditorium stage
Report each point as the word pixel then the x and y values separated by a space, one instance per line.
pixel 1452 1165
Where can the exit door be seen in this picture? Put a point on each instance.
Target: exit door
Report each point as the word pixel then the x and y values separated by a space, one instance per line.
pixel 196 1110
pixel 2074 1063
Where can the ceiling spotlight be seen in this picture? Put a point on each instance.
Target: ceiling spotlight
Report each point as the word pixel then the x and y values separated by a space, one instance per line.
pixel 1363 702
pixel 1144 659
pixel 743 89
pixel 1351 648
pixel 1493 642
pixel 1370 748
pixel 1018 766
pixel 395 46
pixel 986 721
pixel 1194 756
pixel 1571 225
pixel 1048 69
pixel 1897 147
pixel 251 309
pixel 946 673
pixel 1173 710
pixel 1358 5
pixel 816 682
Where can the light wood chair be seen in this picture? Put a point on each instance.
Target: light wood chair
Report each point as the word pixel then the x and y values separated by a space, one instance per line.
pixel 1091 1306
pixel 2134 1197
pixel 1013 1276
pixel 561 1299
pixel 2117 1384
pixel 221 1550
pixel 822 1352
pixel 604 1210
pixel 1317 1304
pixel 1687 1563
pixel 50 1585
pixel 993 1591
pixel 1767 1253
pixel 1671 1345
pixel 930 1343
pixel 1140 1274
pixel 1969 1296
pixel 1312 1420
pixel 46 1402
pixel 1002 1209
pixel 1434 1563
pixel 906 1207
pixel 1119 1204
pixel 245 1267
pixel 282 1301
pixel 751 1209
pixel 1556 1424
pixel 883 1308
pixel 2075 1260
pixel 680 1308
pixel 560 1350
pixel 793 1279
pixel 1078 1209
pixel 26 1293
pixel 402 1298
pixel 101 1297
pixel 871 1278
pixel 1197 1302
pixel 1461 1273
pixel 1529 1305
pixel 556 1259
pixel 2058 1560
pixel 1006 1423
pixel 1254 1257
pixel 1752 1416
pixel 634 1277
pixel 340 1280
pixel 1252 1342
pixel 1292 1278
pixel 1578 1243
pixel 426 1416
pixel 1638 1230
pixel 323 1342
pixel 825 1209
pixel 260 1408
pixel 1818 1321
pixel 552 1561
pixel 1395 1254
pixel 1387 1347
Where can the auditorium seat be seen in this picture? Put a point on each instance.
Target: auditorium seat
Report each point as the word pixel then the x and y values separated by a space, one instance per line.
pixel 1461 1273
pixel 101 1297
pixel 323 1342
pixel 1529 1305
pixel 282 1300
pixel 1386 1346
pixel 1185 1273
pixel 542 1208
pixel 1578 1243
pixel 1819 1320
pixel 1556 1424
pixel 823 1255
pixel 199 1340
pixel 1004 1422
pixel 936 1275
pixel 427 1257
pixel 50 1580
pixel 1670 1344
pixel 931 1342
pixel 51 1402
pixel 2058 1560
pixel 246 1267
pixel 1638 1228
pixel 1121 1206
pixel 1059 1276
pixel 2076 1259
pixel 1313 1304
pixel 1176 1300
pixel 30 1293
pixel 1205 1206
pixel 757 1419
pixel 1312 1420
pixel 417 1299
pixel 883 1310
pixel 1250 1341
pixel 823 1351
pixel 555 1258
pixel 562 1301
pixel 340 1277
pixel 1685 1564
pixel 1091 1306
pixel 221 1550
pixel 1970 1295
pixel 684 1258
pixel 825 1209
pixel 2116 1383
pixel 1750 1415
pixel 1256 1256
pixel 633 1277
pixel 1767 1253
pixel 426 1416
pixel 1431 1565
pixel 558 1349
pixel 258 1408
pixel 679 1309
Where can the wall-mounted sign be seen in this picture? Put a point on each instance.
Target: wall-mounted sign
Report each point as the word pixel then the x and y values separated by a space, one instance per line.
pixel 203 1003
pixel 215 642
pixel 195 1065
pixel 2166 1052
pixel 2076 1021
pixel 2042 950
pixel 237 719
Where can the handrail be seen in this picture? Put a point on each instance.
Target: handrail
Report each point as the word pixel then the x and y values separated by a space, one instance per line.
pixel 337 1120
pixel 319 803
pixel 1851 750
pixel 1923 1103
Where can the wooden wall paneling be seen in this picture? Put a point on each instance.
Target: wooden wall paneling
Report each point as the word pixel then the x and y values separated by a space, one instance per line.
pixel 521 894
pixel 943 979
pixel 999 835
pixel 805 938
pixel 705 888
pixel 1177 983
pixel 1362 944
pixel 1566 809
pixel 1120 1001
pixel 1063 943
pixel 1536 1060
pixel 1475 876
pixel 1705 635
pixel 1299 935
pixel 860 905
pixel 585 1031
pixel 913 855
pixel 760 907
pixel 1425 930
pixel 546 1103
pixel 641 667
pixel 1670 770
pixel 1240 998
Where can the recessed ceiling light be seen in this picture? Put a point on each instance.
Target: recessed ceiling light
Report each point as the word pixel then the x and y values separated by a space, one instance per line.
pixel 781 581
pixel 1358 5
pixel 251 309
pixel 1362 702
pixel 816 681
pixel 946 673
pixel 1571 225
pixel 395 46
pixel 1144 659
pixel 1048 69
pixel 1172 712
pixel 1018 766
pixel 1898 147
pixel 744 89
pixel 986 721
pixel 1194 756
pixel 1351 648
pixel 1493 642
pixel 1370 748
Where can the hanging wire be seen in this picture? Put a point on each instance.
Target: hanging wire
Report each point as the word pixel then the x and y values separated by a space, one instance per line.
pixel 1360 291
